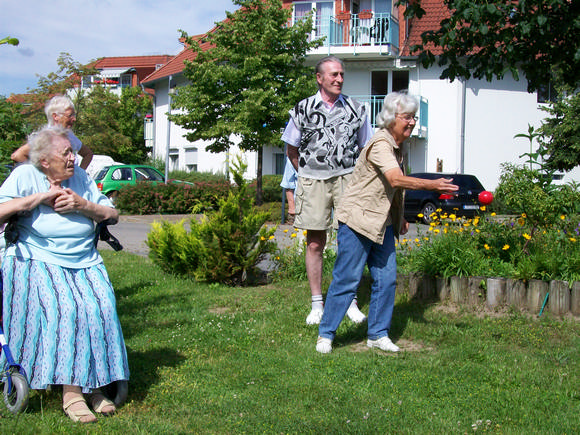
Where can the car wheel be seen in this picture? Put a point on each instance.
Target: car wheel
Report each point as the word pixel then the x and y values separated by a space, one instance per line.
pixel 427 210
pixel 113 196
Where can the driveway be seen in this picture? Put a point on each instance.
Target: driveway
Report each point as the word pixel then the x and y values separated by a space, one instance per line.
pixel 132 232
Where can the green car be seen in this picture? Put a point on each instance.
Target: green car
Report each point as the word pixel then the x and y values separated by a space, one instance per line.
pixel 111 178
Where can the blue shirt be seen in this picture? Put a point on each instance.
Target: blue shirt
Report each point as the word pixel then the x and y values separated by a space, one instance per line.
pixel 65 239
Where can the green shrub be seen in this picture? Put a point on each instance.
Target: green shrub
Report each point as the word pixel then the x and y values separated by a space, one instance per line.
pixel 172 198
pixel 225 247
pixel 271 189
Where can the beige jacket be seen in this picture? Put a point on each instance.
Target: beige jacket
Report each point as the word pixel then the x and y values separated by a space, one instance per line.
pixel 369 203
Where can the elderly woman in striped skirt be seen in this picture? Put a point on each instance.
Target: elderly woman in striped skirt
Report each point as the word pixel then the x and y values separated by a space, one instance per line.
pixel 59 307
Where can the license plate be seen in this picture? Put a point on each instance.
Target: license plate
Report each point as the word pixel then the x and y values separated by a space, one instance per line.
pixel 471 207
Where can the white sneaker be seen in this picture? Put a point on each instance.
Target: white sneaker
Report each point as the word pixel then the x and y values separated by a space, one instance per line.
pixel 354 314
pixel 314 317
pixel 383 343
pixel 324 345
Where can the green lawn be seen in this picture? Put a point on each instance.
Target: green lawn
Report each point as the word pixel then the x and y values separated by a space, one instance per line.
pixel 215 359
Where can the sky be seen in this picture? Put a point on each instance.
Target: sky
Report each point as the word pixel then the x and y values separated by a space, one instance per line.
pixel 89 29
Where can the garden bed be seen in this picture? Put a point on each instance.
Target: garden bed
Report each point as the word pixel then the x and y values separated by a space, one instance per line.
pixel 535 296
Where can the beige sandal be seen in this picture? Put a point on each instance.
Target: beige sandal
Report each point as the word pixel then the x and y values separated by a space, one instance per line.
pixel 78 414
pixel 99 402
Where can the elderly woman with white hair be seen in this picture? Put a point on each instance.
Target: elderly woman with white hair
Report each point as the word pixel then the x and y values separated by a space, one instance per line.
pixel 59 308
pixel 370 216
pixel 60 112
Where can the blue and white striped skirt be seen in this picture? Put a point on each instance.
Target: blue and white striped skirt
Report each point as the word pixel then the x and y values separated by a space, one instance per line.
pixel 62 325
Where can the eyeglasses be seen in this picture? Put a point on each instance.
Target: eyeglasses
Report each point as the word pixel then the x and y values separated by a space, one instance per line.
pixel 68 115
pixel 407 117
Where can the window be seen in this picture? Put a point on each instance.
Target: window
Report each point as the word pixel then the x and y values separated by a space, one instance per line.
pixel 546 93
pixel 125 81
pixel 400 81
pixel 324 10
pixel 280 160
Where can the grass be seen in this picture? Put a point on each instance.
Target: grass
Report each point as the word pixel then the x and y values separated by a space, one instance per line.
pixel 214 359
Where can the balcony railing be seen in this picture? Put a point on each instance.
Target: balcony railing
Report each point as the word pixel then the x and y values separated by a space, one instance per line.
pixel 375 103
pixel 378 30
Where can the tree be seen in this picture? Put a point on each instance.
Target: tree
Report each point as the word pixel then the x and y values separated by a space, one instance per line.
pixel 248 79
pixel 488 39
pixel 560 133
pixel 13 132
pixel 9 40
pixel 114 126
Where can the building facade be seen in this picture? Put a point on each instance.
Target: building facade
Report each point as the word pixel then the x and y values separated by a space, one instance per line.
pixel 463 127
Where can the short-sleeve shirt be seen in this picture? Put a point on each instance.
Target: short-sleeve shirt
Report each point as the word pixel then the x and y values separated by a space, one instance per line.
pixel 65 239
pixel 328 138
pixel 369 203
pixel 75 142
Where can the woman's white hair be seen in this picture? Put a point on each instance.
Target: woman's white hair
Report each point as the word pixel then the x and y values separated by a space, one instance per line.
pixel 41 143
pixel 57 104
pixel 396 102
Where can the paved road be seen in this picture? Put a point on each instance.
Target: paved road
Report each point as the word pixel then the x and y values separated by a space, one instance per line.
pixel 132 232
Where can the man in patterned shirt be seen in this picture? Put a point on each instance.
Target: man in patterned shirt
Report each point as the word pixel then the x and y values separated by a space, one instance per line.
pixel 324 135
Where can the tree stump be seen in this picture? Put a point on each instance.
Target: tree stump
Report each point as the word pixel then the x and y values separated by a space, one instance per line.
pixel 559 297
pixel 402 284
pixel 442 288
pixel 495 292
pixel 415 279
pixel 458 289
pixel 537 290
pixel 476 291
pixel 575 298
pixel 515 292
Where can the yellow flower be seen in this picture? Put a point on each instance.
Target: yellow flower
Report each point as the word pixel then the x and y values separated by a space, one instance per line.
pixel 436 231
pixel 286 230
pixel 563 217
pixel 262 238
pixel 438 210
pixel 420 215
pixel 304 233
pixel 524 215
pixel 293 235
pixel 506 247
pixel 572 239
pixel 445 230
pixel 526 236
pixel 271 237
pixel 432 224
pixel 486 246
pixel 452 217
pixel 416 240
pixel 277 258
pixel 521 221
pixel 482 208
pixel 493 214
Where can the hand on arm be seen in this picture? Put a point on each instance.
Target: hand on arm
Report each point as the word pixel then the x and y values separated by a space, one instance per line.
pixel 27 203
pixel 70 201
pixel 397 179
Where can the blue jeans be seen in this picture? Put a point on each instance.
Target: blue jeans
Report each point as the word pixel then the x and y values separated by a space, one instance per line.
pixel 354 250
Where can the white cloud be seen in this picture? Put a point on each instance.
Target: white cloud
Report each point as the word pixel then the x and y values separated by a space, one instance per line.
pixel 91 29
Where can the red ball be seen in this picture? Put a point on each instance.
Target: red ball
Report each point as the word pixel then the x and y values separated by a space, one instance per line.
pixel 485 197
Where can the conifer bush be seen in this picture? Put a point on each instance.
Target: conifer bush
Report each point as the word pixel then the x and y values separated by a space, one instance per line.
pixel 225 246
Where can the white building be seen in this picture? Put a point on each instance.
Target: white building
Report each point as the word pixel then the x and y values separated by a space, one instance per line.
pixel 464 126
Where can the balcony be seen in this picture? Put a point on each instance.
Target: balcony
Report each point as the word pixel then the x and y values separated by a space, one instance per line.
pixel 366 32
pixel 375 103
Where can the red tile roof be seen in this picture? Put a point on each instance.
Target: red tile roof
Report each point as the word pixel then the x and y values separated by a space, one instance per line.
pixel 176 65
pixel 435 11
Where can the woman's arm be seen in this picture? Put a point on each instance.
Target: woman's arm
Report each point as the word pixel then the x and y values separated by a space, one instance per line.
pixel 70 201
pixel 397 179
pixel 21 154
pixel 87 155
pixel 26 203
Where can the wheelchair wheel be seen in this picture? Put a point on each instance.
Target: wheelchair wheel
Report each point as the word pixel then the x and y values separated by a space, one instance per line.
pixel 117 392
pixel 16 398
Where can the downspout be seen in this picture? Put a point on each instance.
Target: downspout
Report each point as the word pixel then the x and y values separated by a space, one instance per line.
pixel 168 128
pixel 462 128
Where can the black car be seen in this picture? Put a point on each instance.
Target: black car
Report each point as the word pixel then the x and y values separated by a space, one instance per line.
pixel 465 202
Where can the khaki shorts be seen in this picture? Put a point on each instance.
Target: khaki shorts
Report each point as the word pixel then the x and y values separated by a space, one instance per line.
pixel 316 201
